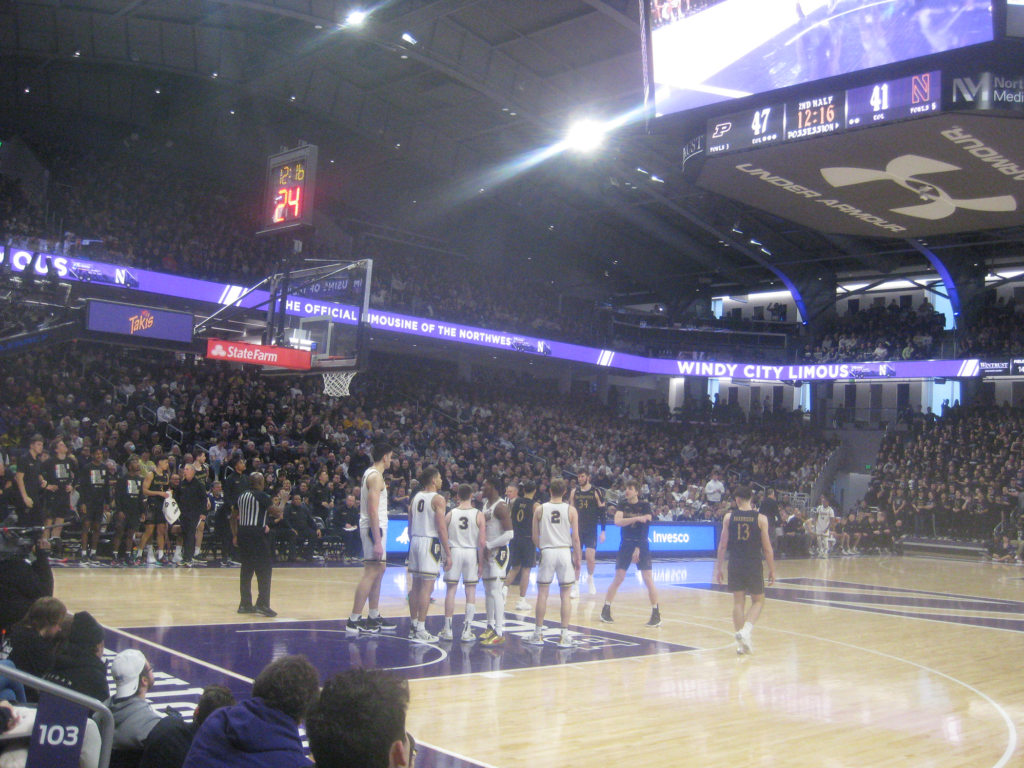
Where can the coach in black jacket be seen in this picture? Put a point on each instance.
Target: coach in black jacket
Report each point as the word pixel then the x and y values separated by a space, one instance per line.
pixel 191 497
pixel 22 582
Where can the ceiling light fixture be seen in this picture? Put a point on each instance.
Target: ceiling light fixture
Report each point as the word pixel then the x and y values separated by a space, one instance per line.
pixel 585 136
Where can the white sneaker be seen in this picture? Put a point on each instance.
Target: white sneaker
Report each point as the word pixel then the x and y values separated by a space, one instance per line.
pixel 566 641
pixel 150 557
pixel 523 604
pixel 575 592
pixel 467 635
pixel 743 643
pixel 535 639
pixel 445 634
pixel 423 637
pixel 591 588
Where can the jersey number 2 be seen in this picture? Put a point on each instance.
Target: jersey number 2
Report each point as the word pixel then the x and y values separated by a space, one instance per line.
pixel 556 516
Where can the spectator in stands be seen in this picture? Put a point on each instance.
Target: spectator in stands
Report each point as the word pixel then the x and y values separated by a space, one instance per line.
pixel 261 732
pixel 359 720
pixel 22 582
pixel 31 644
pixel 79 663
pixel 171 739
pixel 999 550
pixel 134 716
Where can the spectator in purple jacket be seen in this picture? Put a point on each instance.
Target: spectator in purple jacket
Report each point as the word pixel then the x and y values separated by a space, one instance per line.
pixel 261 732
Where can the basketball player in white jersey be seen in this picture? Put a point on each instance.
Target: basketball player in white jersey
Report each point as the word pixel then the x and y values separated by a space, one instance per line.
pixel 498 528
pixel 824 519
pixel 373 530
pixel 466 535
pixel 428 540
pixel 556 533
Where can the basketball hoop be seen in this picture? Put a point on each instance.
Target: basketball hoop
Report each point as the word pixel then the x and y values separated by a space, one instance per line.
pixel 336 384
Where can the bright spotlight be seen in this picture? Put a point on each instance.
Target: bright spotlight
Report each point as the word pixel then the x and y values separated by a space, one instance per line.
pixel 585 135
pixel 355 18
pixel 409 38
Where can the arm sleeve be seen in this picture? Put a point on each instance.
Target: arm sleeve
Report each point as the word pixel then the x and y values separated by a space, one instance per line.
pixel 500 541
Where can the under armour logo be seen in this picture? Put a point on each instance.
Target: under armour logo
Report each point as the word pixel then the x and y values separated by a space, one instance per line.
pixel 904 171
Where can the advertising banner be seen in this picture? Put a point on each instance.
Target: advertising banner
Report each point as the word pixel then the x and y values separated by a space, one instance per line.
pixel 257 354
pixel 140 322
pixel 221 294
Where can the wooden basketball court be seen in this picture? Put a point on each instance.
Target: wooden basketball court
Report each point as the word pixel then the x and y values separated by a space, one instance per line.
pixel 857 662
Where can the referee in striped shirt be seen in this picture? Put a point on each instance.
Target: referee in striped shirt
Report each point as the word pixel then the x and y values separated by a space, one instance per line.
pixel 254 545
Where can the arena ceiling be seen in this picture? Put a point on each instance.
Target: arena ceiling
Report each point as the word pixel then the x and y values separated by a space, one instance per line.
pixel 426 104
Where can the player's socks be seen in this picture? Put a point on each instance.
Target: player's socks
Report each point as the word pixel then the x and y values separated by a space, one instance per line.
pixel 499 607
pixel 747 628
pixel 448 623
pixel 374 613
pixel 470 613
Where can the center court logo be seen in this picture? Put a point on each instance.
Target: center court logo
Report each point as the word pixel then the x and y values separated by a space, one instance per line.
pixel 904 171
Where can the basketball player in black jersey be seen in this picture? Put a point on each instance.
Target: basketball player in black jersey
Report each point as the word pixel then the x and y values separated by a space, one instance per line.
pixel 156 488
pixel 589 504
pixel 745 536
pixel 634 517
pixel 523 556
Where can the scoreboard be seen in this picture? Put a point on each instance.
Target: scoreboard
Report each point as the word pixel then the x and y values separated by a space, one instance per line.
pixel 824 113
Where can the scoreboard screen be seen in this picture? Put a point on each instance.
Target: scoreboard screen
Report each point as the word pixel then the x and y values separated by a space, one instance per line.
pixel 706 52
pixel 826 113
pixel 743 130
pixel 894 100
pixel 291 181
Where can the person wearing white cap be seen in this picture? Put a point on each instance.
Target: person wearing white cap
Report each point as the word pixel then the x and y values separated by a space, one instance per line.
pixel 134 717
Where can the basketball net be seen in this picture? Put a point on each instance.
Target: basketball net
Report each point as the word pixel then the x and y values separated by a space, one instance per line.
pixel 336 384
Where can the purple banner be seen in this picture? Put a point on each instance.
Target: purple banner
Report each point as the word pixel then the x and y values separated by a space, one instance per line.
pixel 57 734
pixel 68 268
pixel 142 322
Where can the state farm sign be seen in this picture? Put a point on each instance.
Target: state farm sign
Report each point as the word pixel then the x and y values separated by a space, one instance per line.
pixel 257 354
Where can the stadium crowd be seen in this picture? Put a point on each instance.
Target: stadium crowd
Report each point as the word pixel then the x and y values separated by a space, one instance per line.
pixel 107 411
pixel 132 212
pixel 997 331
pixel 881 333
pixel 958 476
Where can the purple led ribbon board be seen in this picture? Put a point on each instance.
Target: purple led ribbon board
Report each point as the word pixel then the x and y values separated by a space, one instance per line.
pixel 68 268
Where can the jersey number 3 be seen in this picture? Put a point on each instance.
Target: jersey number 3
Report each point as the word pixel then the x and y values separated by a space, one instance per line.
pixel 464 523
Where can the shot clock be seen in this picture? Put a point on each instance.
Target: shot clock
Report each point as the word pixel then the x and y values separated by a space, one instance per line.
pixel 291 181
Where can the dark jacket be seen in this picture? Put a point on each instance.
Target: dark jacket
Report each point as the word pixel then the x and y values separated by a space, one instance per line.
pixel 191 497
pixel 29 652
pixel 247 735
pixel 78 668
pixel 21 584
pixel 168 743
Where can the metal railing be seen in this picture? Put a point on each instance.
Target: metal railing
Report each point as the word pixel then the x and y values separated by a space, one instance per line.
pixel 106 723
